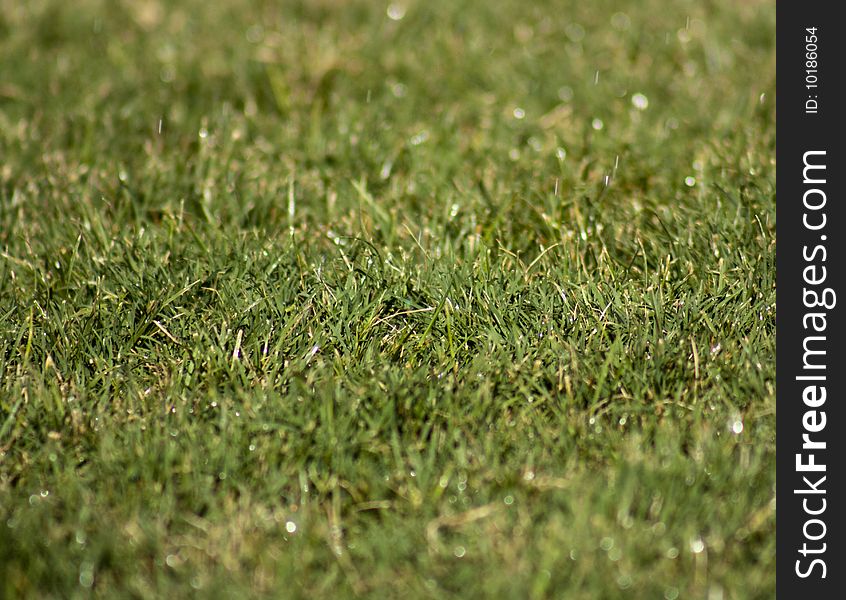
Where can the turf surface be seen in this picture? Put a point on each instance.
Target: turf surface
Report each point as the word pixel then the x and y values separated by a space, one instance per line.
pixel 421 300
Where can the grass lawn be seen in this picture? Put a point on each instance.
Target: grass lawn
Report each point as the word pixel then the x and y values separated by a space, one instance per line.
pixel 428 299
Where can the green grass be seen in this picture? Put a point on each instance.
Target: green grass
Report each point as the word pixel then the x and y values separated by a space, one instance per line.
pixel 298 300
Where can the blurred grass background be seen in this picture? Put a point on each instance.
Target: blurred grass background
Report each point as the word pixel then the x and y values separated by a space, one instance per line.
pixel 411 299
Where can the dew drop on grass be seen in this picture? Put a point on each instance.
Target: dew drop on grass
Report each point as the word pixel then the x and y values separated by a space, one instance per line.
pixel 290 527
pixel 565 93
pixel 575 32
pixel 519 113
pixel 690 181
pixel 386 170
pixel 86 577
pixel 640 101
pixel 561 153
pixel 460 551
pixel 737 427
pixel 597 124
pixel 399 90
pixel 419 138
pixel 395 11
pixel 673 553
pixel 697 545
pixel 509 500
pixel 715 592
pixel 615 554
pixel 671 593
pixel 620 21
